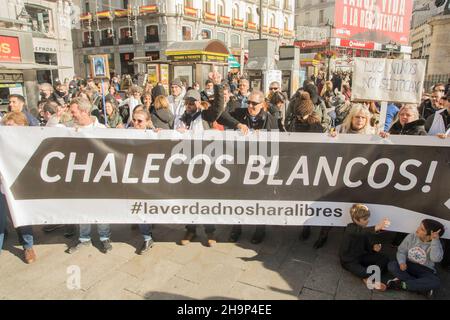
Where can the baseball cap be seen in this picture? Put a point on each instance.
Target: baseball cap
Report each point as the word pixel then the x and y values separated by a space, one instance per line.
pixel 193 95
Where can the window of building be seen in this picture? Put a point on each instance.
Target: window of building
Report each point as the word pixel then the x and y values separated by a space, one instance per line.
pixel 321 20
pixel 249 14
pixel 222 36
pixel 221 8
pixel 88 39
pixel 236 11
pixel 153 54
pixel 151 34
pixel 86 6
pixel 206 34
pixel 107 37
pixel 187 33
pixel 246 41
pixel 307 18
pixel 207 7
pixel 286 24
pixel 272 20
pixel 235 41
pixel 40 18
pixel 126 36
pixel 125 3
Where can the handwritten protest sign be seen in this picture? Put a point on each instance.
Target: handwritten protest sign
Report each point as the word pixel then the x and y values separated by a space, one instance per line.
pixel 388 80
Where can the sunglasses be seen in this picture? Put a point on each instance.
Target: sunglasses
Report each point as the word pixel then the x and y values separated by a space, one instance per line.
pixel 138 120
pixel 253 103
pixel 273 89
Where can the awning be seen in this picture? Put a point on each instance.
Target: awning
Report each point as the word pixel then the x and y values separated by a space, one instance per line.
pixel 215 47
pixel 232 62
pixel 29 66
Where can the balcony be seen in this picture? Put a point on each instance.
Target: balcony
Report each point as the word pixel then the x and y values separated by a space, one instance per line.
pixel 210 17
pixel 274 31
pixel 85 17
pixel 238 23
pixel 103 15
pixel 107 42
pixel 87 44
pixel 190 12
pixel 148 9
pixel 288 33
pixel 151 39
pixel 252 26
pixel 225 20
pixel 128 40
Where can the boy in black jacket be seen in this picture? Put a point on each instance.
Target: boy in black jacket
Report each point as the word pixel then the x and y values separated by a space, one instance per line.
pixel 358 251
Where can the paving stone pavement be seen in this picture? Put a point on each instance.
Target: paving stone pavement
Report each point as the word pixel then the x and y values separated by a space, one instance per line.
pixel 282 267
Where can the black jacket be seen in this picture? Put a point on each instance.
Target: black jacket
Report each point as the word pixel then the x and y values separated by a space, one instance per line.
pixel 415 128
pixel 357 241
pixel 298 126
pixel 263 121
pixel 426 109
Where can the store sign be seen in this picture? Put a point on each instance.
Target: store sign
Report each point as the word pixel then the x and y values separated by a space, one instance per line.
pixel 375 20
pixel 194 57
pixel 391 47
pixel 357 44
pixel 9 49
pixel 11 77
pixel 41 49
pixel 310 44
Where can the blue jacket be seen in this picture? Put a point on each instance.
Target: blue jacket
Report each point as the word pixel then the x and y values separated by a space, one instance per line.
pixel 391 113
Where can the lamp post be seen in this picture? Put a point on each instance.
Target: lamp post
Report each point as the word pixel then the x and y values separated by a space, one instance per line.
pixel 260 18
pixel 328 24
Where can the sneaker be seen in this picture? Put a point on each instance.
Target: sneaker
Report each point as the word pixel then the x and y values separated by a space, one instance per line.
pixel 106 246
pixel 394 284
pixel 80 245
pixel 187 238
pixel 30 255
pixel 211 239
pixel 146 246
pixel 52 227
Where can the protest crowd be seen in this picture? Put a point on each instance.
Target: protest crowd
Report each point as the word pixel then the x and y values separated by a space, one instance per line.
pixel 319 106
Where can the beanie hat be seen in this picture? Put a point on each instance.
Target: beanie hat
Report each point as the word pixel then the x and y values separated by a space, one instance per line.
pixel 431 225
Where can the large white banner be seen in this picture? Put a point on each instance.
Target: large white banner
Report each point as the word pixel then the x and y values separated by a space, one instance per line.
pixel 391 80
pixel 58 175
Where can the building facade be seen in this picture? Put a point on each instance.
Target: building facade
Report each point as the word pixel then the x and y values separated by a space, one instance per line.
pixel 125 29
pixel 40 30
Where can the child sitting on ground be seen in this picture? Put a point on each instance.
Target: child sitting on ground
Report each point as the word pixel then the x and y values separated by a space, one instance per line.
pixel 358 251
pixel 414 269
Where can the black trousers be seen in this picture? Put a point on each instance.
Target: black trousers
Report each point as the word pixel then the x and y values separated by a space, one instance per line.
pixel 209 228
pixel 237 228
pixel 359 267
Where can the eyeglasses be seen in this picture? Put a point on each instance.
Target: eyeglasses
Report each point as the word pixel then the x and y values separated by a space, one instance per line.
pixel 138 120
pixel 253 103
pixel 273 89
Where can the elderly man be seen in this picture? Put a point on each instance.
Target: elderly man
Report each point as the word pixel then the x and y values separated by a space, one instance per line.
pixel 80 109
pixel 17 104
pixel 176 101
pixel 255 118
pixel 429 107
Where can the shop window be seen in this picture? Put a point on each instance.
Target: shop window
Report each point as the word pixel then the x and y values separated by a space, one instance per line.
pixel 249 15
pixel 40 18
pixel 236 11
pixel 187 33
pixel 152 34
pixel 153 54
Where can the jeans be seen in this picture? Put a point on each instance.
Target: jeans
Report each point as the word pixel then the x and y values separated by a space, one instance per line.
pixel 146 231
pixel 417 277
pixel 209 228
pixel 104 232
pixel 25 234
pixel 359 267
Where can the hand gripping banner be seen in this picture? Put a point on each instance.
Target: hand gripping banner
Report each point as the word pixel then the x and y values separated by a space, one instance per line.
pixel 58 175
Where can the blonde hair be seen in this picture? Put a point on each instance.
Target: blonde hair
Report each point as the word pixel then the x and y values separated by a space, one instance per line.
pixel 347 124
pixel 359 211
pixel 161 102
pixel 82 103
pixel 18 118
pixel 412 107
pixel 135 89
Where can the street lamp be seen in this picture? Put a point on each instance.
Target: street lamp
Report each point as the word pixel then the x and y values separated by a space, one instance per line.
pixel 329 24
